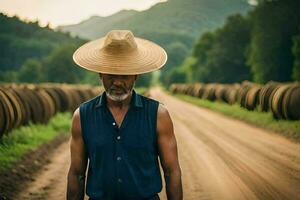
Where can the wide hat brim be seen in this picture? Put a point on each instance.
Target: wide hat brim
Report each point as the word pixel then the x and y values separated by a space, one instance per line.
pixel 147 57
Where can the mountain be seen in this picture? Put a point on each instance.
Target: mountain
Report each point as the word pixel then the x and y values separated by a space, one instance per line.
pixel 174 24
pixel 89 28
pixel 21 40
pixel 187 17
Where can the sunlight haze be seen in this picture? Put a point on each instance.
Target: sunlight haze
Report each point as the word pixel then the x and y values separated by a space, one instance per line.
pixel 58 12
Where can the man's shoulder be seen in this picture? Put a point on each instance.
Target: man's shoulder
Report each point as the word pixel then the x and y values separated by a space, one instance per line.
pixel 147 99
pixel 161 108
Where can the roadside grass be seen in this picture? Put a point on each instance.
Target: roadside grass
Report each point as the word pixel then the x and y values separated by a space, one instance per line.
pixel 290 129
pixel 141 90
pixel 19 141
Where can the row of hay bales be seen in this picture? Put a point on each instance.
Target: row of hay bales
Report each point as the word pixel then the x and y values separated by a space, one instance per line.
pixel 282 99
pixel 22 103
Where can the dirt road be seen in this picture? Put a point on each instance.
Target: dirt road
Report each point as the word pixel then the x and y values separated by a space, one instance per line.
pixel 221 158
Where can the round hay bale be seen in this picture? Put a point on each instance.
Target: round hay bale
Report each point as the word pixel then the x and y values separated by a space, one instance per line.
pixel 55 98
pixel 2 119
pixel 198 91
pixel 48 105
pixel 264 96
pixel 51 103
pixel 63 99
pixel 231 96
pixel 14 104
pixel 221 92
pixel 189 89
pixel 3 114
pixel 180 88
pixel 17 106
pixel 231 93
pixel 8 112
pixel 291 103
pixel 23 103
pixel 242 93
pixel 209 92
pixel 97 91
pixel 75 98
pixel 252 97
pixel 84 94
pixel 277 99
pixel 173 88
pixel 36 106
pixel 185 88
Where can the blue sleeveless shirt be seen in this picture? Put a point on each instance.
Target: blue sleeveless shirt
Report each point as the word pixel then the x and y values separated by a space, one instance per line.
pixel 123 162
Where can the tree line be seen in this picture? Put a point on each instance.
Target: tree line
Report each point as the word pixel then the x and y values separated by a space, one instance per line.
pixel 261 46
pixel 33 54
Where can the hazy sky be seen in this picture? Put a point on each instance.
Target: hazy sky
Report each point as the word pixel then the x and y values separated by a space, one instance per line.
pixel 62 12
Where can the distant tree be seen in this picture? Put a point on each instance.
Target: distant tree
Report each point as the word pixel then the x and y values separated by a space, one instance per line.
pixel 144 80
pixel 59 66
pixel 221 55
pixel 270 53
pixel 5 51
pixel 200 53
pixel 296 53
pixel 177 51
pixel 186 67
pixel 31 72
pixel 91 79
pixel 20 40
pixel 176 75
pixel 8 76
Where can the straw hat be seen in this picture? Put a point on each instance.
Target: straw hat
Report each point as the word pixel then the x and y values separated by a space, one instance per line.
pixel 119 52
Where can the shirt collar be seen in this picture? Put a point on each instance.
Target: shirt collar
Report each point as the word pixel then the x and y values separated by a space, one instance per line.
pixel 135 100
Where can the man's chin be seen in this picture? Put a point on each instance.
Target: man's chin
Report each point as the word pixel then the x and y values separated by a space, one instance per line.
pixel 118 98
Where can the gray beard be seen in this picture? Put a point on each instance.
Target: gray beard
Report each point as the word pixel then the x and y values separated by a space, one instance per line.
pixel 118 98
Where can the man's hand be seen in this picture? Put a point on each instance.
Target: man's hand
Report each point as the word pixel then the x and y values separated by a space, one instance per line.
pixel 76 175
pixel 168 154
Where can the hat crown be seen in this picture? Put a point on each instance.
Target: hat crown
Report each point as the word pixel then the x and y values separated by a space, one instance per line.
pixel 119 52
pixel 119 41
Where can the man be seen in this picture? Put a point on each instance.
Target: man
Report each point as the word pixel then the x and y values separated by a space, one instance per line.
pixel 121 133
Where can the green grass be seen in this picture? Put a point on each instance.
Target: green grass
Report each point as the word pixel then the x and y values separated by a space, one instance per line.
pixel 141 90
pixel 19 141
pixel 290 129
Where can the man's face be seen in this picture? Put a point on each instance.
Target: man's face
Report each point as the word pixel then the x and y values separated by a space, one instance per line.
pixel 118 87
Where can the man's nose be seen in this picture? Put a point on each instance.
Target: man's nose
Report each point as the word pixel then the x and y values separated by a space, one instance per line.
pixel 118 81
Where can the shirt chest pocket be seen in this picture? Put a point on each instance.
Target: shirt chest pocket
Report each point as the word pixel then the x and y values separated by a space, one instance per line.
pixel 138 148
pixel 138 140
pixel 101 149
pixel 99 140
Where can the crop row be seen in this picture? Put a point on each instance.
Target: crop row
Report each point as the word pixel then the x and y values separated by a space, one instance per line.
pixel 282 99
pixel 22 103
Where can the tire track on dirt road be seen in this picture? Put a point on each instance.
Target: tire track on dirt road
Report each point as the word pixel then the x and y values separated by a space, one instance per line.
pixel 51 181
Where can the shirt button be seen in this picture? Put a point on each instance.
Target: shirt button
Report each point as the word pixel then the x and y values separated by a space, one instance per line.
pixel 119 137
pixel 119 158
pixel 113 123
pixel 120 180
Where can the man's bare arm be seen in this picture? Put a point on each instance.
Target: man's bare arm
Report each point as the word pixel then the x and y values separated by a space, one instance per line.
pixel 168 154
pixel 76 175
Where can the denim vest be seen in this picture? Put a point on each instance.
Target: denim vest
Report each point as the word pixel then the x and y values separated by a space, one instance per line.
pixel 123 162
